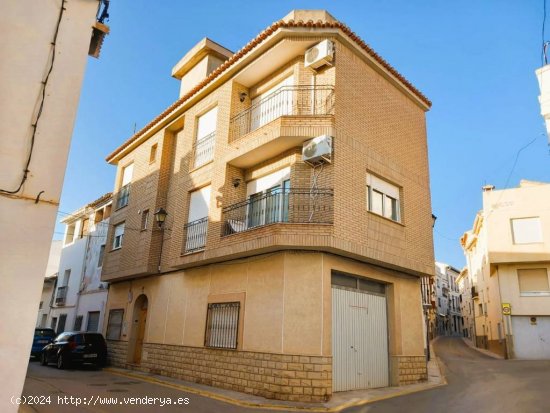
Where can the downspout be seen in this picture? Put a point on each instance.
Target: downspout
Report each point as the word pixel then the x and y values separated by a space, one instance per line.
pixel 505 322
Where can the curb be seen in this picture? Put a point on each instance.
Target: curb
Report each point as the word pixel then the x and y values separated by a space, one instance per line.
pixel 482 350
pixel 267 406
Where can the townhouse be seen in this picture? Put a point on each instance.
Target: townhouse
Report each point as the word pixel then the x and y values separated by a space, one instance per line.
pixel 270 228
pixel 508 266
pixel 448 317
pixel 50 282
pixel 80 295
pixel 466 304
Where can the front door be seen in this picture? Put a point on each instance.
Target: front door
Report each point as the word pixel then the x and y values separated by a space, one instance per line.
pixel 138 329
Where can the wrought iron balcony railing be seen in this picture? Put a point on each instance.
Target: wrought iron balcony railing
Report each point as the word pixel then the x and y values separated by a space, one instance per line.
pixel 280 205
pixel 61 295
pixel 122 197
pixel 285 101
pixel 195 235
pixel 203 150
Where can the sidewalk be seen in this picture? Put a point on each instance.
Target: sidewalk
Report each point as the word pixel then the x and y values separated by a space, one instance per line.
pixel 482 350
pixel 339 401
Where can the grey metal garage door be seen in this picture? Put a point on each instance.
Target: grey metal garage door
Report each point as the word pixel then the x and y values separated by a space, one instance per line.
pixel 531 337
pixel 359 337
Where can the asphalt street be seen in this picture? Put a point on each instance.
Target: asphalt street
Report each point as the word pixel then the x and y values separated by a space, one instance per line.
pixel 476 383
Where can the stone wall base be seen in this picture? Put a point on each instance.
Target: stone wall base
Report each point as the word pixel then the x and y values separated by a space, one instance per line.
pixel 273 376
pixel 409 370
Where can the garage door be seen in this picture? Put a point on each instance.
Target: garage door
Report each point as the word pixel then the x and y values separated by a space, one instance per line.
pixel 359 334
pixel 531 337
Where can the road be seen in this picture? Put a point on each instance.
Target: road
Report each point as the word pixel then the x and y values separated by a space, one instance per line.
pixel 476 383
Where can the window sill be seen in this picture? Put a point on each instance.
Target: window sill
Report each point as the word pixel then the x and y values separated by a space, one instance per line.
pixel 535 294
pixel 120 207
pixel 386 218
pixel 116 249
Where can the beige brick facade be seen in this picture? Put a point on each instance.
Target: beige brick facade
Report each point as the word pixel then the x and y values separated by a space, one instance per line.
pixel 280 270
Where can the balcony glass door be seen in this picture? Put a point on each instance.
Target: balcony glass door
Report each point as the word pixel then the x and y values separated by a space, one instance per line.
pixel 275 102
pixel 269 206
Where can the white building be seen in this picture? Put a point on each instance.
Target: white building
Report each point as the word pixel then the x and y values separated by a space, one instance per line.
pixel 80 295
pixel 448 314
pixel 50 282
pixel 38 105
pixel 466 304
pixel 508 256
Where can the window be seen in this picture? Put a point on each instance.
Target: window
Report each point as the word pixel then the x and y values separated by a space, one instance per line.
pixel 526 230
pixel 124 191
pixel 69 233
pixel 206 137
pixel 268 198
pixel 101 255
pixel 78 323
pixel 93 321
pixel 383 198
pixel 114 325
pixel 98 217
pixel 361 284
pixel 222 324
pixel 53 324
pixel 118 236
pixel 144 219
pixel 41 304
pixel 275 102
pixel 533 282
pixel 153 153
pixel 197 220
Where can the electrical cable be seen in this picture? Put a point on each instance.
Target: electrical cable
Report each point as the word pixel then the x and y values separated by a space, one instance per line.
pixel 544 60
pixel 40 106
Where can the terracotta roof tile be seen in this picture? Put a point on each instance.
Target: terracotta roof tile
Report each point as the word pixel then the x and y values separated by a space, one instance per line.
pixel 251 45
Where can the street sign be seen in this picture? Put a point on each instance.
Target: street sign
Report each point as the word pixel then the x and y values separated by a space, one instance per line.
pixel 506 309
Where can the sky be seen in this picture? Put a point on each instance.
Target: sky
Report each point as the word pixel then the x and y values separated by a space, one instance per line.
pixel 474 60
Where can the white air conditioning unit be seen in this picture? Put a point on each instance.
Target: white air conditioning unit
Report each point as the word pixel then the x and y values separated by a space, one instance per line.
pixel 319 55
pixel 317 150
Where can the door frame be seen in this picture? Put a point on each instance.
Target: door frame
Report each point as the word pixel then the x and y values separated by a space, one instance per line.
pixel 137 334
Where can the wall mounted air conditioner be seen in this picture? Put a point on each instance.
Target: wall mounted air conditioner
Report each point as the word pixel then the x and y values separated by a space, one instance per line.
pixel 317 150
pixel 319 55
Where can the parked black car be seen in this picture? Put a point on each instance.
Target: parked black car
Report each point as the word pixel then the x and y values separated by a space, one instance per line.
pixel 42 337
pixel 75 348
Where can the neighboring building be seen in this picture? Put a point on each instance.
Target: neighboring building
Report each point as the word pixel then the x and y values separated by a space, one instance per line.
pixel 466 304
pixel 448 317
pixel 50 281
pixel 508 255
pixel 543 77
pixel 80 295
pixel 38 106
pixel 277 269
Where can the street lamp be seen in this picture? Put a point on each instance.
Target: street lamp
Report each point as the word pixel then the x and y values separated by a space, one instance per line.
pixel 160 216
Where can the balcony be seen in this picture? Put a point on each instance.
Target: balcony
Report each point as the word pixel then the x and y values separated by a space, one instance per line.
pixel 203 150
pixel 285 101
pixel 61 295
pixel 122 197
pixel 293 206
pixel 195 235
pixel 475 292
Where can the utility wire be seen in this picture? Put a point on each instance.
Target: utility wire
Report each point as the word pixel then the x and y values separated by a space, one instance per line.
pixel 34 125
pixel 543 30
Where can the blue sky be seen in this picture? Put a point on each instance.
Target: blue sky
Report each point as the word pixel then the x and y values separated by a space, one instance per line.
pixel 474 60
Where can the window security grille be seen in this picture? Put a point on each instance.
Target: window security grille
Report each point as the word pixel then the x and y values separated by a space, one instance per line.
pixel 222 324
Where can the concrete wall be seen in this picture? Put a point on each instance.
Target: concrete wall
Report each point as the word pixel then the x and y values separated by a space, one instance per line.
pixel 28 28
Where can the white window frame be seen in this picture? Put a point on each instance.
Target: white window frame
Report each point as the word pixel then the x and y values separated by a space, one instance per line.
pixel 389 192
pixel 118 237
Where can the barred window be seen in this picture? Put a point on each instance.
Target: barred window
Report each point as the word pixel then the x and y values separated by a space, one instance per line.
pixel 114 325
pixel 222 323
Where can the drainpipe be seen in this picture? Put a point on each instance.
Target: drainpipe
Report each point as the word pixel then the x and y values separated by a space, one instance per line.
pixel 505 326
